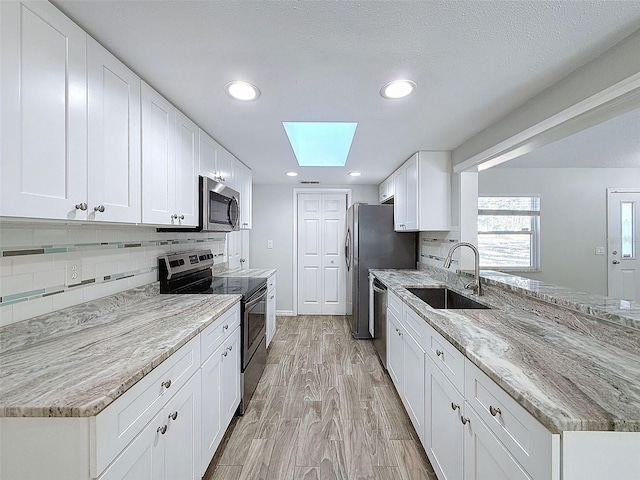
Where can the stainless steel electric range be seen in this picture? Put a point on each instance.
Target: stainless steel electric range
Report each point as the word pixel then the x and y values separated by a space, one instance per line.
pixel 191 273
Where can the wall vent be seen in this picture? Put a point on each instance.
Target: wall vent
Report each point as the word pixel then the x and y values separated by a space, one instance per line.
pixel 309 182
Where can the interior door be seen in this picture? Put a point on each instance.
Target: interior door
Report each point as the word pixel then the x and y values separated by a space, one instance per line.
pixel 623 255
pixel 321 256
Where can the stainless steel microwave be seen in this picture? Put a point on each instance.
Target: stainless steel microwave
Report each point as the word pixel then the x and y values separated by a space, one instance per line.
pixel 219 207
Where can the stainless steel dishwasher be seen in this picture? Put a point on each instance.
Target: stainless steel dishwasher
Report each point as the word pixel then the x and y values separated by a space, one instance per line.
pixel 380 320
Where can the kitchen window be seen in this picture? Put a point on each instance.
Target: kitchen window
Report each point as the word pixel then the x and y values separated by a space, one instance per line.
pixel 509 233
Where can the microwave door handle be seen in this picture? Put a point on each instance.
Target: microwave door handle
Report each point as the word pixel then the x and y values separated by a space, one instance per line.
pixel 237 205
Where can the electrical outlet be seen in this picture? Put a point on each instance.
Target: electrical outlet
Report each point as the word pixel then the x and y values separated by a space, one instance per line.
pixel 599 250
pixel 74 272
pixel 269 243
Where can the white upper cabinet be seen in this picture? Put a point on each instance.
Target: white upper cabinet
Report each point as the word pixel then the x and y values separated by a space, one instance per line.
pixel 208 155
pixel 44 113
pixel 113 179
pixel 169 163
pixel 422 200
pixel 227 167
pixel 158 158
pixel 385 190
pixel 245 178
pixel 218 163
pixel 187 167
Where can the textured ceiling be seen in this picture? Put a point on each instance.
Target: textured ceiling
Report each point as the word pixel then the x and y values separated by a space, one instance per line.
pixel 473 62
pixel 612 144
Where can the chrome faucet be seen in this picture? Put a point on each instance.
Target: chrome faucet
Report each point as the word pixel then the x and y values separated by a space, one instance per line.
pixel 475 285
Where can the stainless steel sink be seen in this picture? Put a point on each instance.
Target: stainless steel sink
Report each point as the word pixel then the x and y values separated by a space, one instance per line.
pixel 443 298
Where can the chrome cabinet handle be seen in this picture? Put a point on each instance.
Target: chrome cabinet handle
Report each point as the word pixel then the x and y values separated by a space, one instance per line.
pixel 81 206
pixel 455 406
pixel 173 415
pixel 494 411
pixel 440 353
pixel 99 208
pixel 162 429
pixel 166 384
pixel 181 217
pixel 174 216
pixel 225 327
pixel 230 348
pixel 465 420
pixel 225 353
pixel 615 262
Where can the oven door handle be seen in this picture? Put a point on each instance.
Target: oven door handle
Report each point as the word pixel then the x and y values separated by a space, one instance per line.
pixel 262 293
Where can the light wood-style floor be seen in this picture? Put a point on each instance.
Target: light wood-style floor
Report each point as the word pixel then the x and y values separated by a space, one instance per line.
pixel 324 409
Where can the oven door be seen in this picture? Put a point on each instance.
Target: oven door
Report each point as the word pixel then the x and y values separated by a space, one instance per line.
pixel 220 207
pixel 253 324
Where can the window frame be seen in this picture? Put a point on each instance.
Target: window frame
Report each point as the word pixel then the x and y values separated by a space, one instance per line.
pixel 534 233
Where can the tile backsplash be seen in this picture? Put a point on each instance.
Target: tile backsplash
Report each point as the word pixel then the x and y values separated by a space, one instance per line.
pixel 434 247
pixel 35 259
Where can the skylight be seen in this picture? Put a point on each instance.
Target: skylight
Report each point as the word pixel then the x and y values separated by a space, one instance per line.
pixel 320 144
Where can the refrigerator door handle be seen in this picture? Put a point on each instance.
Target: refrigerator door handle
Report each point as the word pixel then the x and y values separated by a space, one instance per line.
pixel 347 250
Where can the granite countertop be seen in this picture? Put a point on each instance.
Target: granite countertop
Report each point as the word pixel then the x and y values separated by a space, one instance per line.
pixel 76 361
pixel 570 370
pixel 247 272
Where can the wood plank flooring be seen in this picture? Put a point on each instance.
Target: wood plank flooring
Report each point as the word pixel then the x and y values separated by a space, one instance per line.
pixel 323 410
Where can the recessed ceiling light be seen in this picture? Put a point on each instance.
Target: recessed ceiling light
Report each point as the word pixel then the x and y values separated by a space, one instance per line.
pixel 355 174
pixel 242 90
pixel 292 174
pixel 397 89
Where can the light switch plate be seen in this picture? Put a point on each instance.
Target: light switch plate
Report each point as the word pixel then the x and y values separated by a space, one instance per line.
pixel 269 243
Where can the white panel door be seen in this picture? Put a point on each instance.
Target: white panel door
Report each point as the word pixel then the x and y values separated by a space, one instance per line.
pixel 114 138
pixel 624 240
pixel 186 171
pixel 158 158
pixel 44 113
pixel 321 267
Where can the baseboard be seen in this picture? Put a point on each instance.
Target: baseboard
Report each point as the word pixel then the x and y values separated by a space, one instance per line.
pixel 285 313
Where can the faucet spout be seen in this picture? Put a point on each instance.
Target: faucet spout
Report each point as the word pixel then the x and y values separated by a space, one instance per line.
pixel 475 285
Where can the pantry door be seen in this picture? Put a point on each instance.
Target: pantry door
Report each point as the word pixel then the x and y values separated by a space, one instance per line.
pixel 321 267
pixel 623 243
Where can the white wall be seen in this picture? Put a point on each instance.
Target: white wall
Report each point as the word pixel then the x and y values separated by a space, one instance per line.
pixel 573 217
pixel 613 66
pixel 273 220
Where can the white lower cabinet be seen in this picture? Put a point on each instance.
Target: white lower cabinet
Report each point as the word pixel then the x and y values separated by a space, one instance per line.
pixel 470 428
pixel 271 308
pixel 167 448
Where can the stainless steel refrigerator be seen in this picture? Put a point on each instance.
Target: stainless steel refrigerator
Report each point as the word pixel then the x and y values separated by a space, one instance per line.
pixel 371 243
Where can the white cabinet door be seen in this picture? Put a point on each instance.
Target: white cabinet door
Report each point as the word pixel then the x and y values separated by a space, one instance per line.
pixel 245 179
pixel 395 351
pixel 212 425
pixel 414 383
pixel 411 196
pixel 114 138
pixel 44 113
pixel 385 190
pixel 182 414
pixel 158 158
pixel 226 168
pixel 186 172
pixel 399 200
pixel 208 154
pixel 230 385
pixel 485 458
pixel 271 309
pixel 443 426
pixel 234 249
pixel 144 457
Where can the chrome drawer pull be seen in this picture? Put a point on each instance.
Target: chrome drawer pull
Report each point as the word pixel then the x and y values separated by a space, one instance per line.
pixel 440 353
pixel 455 406
pixel 162 429
pixel 494 411
pixel 81 206
pixel 224 327
pixel 465 420
pixel 99 208
pixel 166 384
pixel 225 353
pixel 173 415
pixel 230 348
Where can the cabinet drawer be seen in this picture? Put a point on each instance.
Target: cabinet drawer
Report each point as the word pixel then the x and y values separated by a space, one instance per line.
pixel 216 333
pixel 447 358
pixel 394 304
pixel 526 439
pixel 416 326
pixel 121 421
pixel 271 282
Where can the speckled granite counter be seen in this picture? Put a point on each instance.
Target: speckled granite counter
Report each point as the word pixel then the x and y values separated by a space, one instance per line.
pixel 248 272
pixel 75 362
pixel 569 370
